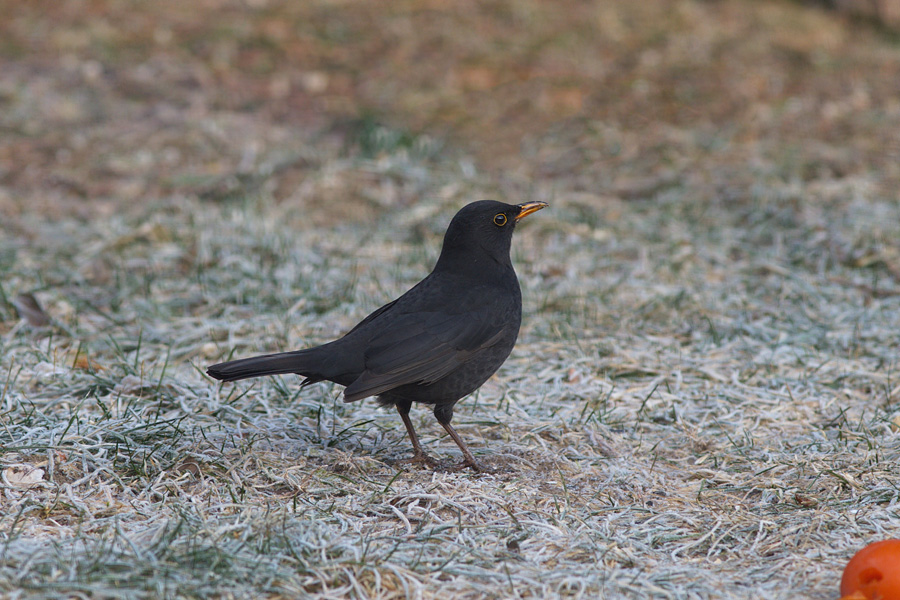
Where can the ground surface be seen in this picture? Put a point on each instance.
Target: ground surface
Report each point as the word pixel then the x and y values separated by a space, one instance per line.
pixel 704 399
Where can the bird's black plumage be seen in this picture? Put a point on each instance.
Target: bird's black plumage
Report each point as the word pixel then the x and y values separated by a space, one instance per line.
pixel 435 344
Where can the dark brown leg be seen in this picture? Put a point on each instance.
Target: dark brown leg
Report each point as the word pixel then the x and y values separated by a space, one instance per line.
pixel 419 456
pixel 469 459
pixel 444 413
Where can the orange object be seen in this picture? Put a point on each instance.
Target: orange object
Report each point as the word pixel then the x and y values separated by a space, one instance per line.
pixel 873 573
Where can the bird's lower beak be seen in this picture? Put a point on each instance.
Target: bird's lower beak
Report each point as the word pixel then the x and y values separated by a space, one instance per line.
pixel 528 208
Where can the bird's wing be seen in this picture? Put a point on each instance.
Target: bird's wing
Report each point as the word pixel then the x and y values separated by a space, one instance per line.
pixel 422 348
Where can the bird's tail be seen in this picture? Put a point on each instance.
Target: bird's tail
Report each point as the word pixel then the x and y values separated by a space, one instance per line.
pixel 301 362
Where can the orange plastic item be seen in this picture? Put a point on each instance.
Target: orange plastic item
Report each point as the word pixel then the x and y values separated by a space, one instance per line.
pixel 873 573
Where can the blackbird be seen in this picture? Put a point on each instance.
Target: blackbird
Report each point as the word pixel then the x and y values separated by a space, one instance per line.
pixel 436 343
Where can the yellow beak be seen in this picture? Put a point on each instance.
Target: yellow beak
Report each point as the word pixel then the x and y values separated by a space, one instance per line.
pixel 528 208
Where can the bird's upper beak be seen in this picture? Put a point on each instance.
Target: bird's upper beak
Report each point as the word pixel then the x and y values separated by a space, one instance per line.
pixel 528 208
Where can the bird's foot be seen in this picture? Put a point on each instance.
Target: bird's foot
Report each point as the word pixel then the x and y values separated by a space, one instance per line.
pixel 471 464
pixel 419 458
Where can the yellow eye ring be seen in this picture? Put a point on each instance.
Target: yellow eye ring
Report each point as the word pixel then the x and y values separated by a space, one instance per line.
pixel 500 220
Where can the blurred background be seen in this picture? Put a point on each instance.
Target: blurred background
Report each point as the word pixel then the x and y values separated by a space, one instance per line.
pixel 107 103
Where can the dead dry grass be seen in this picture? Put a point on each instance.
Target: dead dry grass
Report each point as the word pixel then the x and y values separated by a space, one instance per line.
pixel 703 401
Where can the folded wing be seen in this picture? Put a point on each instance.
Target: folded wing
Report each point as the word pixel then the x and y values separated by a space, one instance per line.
pixel 422 348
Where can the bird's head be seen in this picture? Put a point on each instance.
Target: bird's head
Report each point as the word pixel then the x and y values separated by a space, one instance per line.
pixel 482 230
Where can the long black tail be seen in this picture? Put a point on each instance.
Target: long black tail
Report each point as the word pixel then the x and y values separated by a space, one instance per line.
pixel 302 362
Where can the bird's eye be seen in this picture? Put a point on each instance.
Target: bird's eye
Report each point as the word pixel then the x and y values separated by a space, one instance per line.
pixel 500 220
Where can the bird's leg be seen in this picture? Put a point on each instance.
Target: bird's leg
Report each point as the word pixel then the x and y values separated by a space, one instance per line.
pixel 444 413
pixel 419 456
pixel 469 459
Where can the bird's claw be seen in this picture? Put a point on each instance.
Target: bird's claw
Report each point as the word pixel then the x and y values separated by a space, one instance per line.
pixel 471 464
pixel 419 459
pixel 426 461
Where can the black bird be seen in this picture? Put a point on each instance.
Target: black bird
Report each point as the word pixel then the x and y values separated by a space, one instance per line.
pixel 434 344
